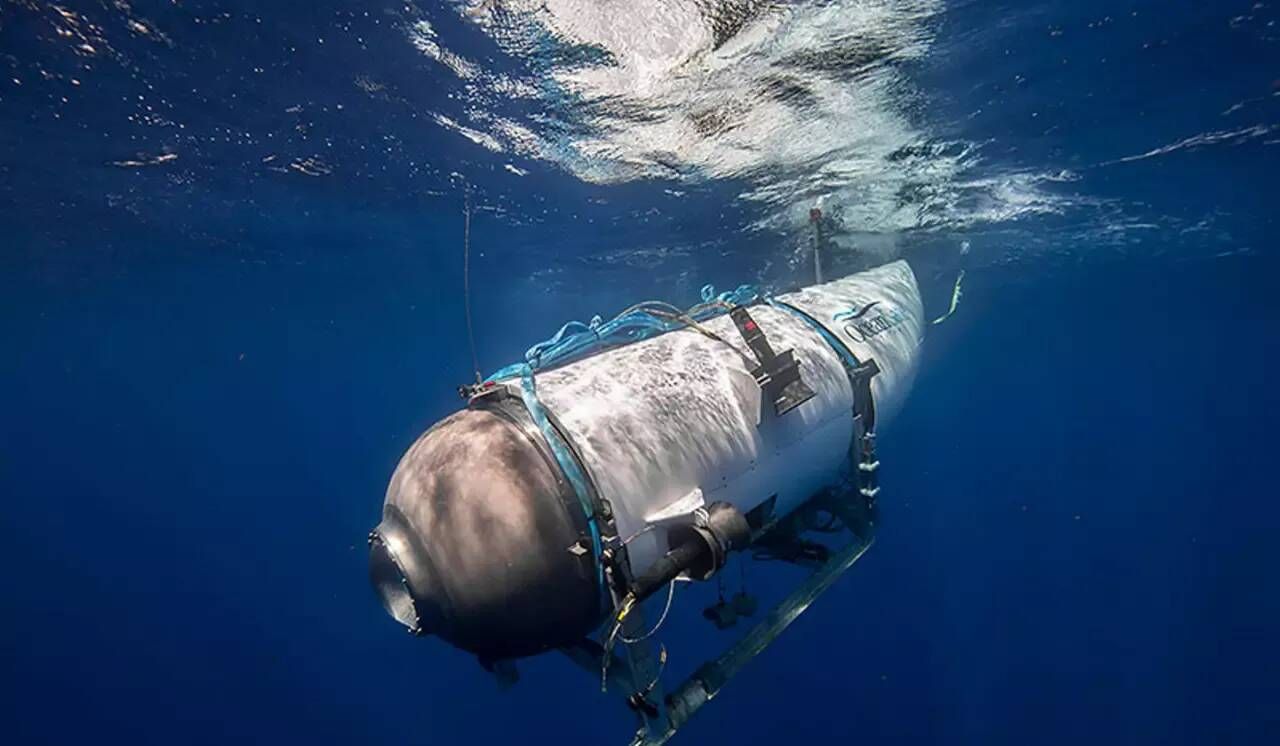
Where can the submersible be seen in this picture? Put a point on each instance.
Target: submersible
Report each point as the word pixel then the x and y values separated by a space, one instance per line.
pixel 567 491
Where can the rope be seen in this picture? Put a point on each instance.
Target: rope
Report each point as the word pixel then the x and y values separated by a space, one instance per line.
pixel 575 340
pixel 671 592
pixel 466 279
pixel 662 666
pixel 625 609
pixel 615 634
pixel 815 218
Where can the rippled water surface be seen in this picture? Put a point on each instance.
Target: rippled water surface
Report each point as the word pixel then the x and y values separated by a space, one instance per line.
pixel 1032 127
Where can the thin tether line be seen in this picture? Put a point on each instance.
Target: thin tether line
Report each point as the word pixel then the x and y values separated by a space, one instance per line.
pixel 466 279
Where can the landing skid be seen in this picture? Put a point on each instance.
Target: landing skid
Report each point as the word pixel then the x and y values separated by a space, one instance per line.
pixel 705 683
pixel 662 715
pixel 635 672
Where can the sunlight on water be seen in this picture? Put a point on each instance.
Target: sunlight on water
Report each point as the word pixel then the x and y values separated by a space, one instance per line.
pixel 806 105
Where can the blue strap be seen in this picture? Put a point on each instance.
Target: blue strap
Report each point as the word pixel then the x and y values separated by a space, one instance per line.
pixel 575 340
pixel 568 465
pixel 846 355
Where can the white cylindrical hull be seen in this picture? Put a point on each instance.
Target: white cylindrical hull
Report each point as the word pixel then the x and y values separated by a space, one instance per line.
pixel 668 424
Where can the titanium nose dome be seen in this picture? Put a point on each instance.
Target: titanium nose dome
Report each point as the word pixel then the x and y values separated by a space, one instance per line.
pixel 391 585
pixel 395 558
pixel 475 541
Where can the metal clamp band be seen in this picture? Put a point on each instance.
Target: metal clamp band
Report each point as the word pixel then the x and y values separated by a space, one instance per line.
pixel 569 465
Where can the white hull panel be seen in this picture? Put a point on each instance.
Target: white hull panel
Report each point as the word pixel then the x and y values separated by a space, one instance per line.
pixel 658 421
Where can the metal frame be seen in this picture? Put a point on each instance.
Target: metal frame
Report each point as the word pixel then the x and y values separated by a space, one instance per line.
pixel 705 683
pixel 637 674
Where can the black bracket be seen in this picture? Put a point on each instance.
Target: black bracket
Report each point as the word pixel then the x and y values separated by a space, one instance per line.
pixel 469 391
pixel 777 375
pixel 863 448
pixel 863 403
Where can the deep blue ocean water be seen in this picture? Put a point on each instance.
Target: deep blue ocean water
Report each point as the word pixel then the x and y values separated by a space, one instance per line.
pixel 231 297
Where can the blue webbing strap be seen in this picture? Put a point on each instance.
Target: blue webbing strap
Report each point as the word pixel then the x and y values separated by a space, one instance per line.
pixel 568 465
pixel 575 340
pixel 846 355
